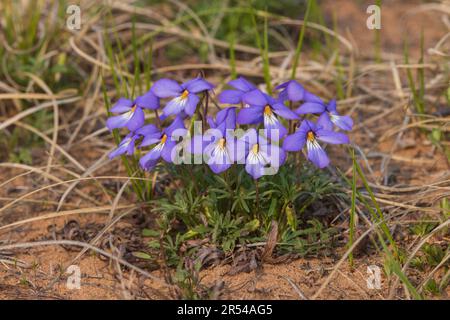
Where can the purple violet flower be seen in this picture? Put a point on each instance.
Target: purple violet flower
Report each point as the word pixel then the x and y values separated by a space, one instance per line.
pixel 241 85
pixel 218 143
pixel 220 152
pixel 312 104
pixel 125 146
pixel 330 116
pixel 184 96
pixel 308 133
pixel 261 157
pixel 264 108
pixel 163 143
pixel 294 91
pixel 225 119
pixel 132 115
pixel 291 90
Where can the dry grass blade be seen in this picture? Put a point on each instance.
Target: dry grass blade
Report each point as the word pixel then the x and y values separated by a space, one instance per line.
pixel 27 245
pixel 34 109
pixel 45 87
pixel 10 204
pixel 345 256
pixel 271 242
pixel 65 213
pixel 44 174
pixel 46 139
pixel 295 287
pixel 416 250
pixel 88 172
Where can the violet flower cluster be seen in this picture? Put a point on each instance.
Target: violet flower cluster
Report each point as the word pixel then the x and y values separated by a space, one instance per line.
pixel 248 108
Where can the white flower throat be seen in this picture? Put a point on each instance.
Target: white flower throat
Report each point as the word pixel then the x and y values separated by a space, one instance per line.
pixel 269 116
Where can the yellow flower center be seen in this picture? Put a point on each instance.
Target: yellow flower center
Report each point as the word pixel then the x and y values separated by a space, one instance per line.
pixel 164 139
pixel 221 143
pixel 311 136
pixel 184 94
pixel 268 110
pixel 255 148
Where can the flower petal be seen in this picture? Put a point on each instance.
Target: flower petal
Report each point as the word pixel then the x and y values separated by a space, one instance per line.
pixel 292 90
pixel 295 91
pixel 191 104
pixel 310 107
pixel 226 119
pixel 254 98
pixel 219 168
pixel 295 141
pixel 316 154
pixel 231 96
pixel 147 129
pixel 250 115
pixel 274 130
pixel 255 170
pixel 332 137
pixel 137 120
pixel 282 85
pixel 122 105
pixel 166 151
pixel 274 154
pixel 175 106
pixel 227 114
pixel 197 85
pixel 283 111
pixel 307 125
pixel 211 122
pixel 165 88
pixel 121 149
pixel 151 139
pixel 242 84
pixel 343 122
pixel 219 159
pixel 118 121
pixel 282 157
pixel 131 147
pixel 148 101
pixel 310 97
pixel 331 107
pixel 177 123
pixel 282 96
pixel 151 157
pixel 149 165
pixel 324 121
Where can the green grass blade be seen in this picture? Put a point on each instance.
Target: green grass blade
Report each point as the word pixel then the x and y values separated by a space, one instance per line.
pixel 298 49
pixel 352 208
pixel 148 65
pixel 421 76
pixel 263 50
pixel 379 214
pixel 137 70
pixel 233 23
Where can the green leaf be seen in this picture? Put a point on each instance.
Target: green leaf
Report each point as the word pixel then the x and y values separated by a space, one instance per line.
pixel 150 233
pixel 252 225
pixel 154 244
pixel 291 217
pixel 142 255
